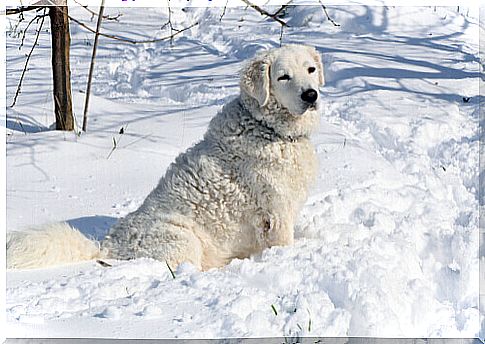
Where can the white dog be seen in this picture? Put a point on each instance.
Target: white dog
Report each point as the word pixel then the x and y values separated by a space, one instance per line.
pixel 234 193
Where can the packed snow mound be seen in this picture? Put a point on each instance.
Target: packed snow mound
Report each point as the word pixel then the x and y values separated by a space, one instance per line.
pixel 387 244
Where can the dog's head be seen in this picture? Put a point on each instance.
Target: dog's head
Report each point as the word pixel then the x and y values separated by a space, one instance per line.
pixel 291 74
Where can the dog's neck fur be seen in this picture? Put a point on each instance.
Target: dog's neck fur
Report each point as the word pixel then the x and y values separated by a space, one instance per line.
pixel 277 119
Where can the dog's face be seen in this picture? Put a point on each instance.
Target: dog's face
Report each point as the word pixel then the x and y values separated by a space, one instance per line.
pixel 291 74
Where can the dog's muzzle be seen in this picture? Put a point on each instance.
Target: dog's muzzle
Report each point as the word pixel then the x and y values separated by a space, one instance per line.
pixel 310 96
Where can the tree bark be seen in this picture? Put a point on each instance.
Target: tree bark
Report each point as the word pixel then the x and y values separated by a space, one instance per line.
pixel 61 72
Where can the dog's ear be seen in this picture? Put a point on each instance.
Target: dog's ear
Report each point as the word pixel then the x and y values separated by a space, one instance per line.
pixel 255 79
pixel 318 60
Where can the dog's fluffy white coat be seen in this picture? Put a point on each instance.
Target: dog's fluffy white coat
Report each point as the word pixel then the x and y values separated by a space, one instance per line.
pixel 234 193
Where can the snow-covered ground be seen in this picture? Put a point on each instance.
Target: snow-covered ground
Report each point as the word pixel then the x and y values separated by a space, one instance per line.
pixel 387 244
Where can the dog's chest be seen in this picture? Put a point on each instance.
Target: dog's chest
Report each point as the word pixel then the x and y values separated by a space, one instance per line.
pixel 291 166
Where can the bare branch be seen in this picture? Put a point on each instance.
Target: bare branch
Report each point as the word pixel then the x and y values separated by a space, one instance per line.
pixel 326 13
pixel 91 66
pixel 107 17
pixel 37 17
pixel 36 5
pixel 282 8
pixel 173 30
pixel 265 13
pixel 169 22
pixel 10 11
pixel 127 40
pixel 39 29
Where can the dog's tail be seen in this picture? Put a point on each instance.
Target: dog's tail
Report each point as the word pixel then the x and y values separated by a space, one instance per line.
pixel 54 244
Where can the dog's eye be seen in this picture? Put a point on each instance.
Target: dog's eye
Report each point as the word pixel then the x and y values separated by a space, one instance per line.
pixel 284 77
pixel 311 70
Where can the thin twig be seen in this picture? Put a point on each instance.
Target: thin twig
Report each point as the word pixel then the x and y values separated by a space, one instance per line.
pixel 282 27
pixel 224 10
pixel 265 13
pixel 27 61
pixel 91 66
pixel 131 40
pixel 107 17
pixel 37 17
pixel 170 22
pixel 326 13
pixel 13 29
pixel 281 35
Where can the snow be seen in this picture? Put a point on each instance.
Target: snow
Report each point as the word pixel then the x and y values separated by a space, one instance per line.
pixel 387 244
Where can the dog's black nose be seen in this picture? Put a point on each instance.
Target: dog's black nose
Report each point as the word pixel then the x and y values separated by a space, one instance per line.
pixel 309 96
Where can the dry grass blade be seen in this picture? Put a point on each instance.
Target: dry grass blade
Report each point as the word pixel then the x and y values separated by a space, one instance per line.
pixel 103 264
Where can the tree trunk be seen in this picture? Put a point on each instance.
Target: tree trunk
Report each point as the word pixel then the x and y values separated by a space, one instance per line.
pixel 61 73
